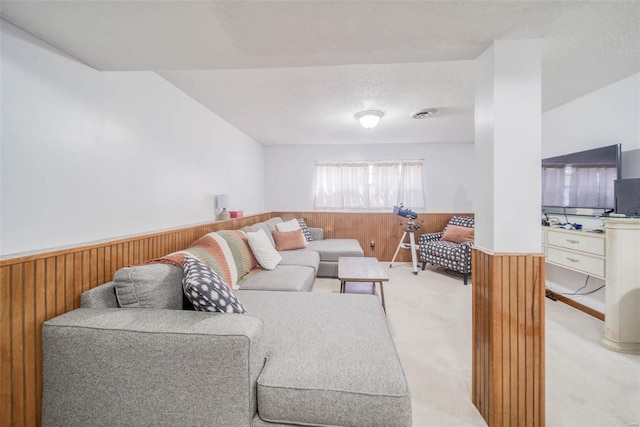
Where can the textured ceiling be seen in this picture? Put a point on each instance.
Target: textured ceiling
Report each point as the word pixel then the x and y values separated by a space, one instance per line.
pixel 296 72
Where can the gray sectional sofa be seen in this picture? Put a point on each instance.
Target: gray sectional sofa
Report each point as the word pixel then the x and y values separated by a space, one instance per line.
pixel 329 250
pixel 297 358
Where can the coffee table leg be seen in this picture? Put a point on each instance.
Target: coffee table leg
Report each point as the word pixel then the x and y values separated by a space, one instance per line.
pixel 342 286
pixel 382 296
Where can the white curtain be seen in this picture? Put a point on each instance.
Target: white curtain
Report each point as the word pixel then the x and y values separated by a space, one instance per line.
pixel 355 181
pixel 369 185
pixel 385 185
pixel 411 192
pixel 553 187
pixel 341 186
pixel 585 187
pixel 592 187
pixel 328 187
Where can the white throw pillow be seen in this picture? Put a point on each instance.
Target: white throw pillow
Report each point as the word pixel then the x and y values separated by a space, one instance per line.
pixel 291 225
pixel 263 250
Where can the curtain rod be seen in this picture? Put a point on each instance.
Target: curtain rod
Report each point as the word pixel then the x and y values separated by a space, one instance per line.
pixel 369 161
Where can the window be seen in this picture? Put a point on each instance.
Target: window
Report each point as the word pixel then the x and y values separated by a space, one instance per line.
pixel 369 185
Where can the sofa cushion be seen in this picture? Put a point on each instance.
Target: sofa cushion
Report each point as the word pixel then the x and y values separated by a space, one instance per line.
pixel 289 240
pixel 117 367
pixel 444 249
pixel 306 258
pixel 316 233
pixel 332 249
pixel 206 290
pixel 149 286
pixel 321 368
pixel 271 222
pixel 263 250
pixel 102 296
pixel 264 227
pixel 282 278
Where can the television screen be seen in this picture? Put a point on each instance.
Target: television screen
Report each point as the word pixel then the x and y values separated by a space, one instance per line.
pixel 582 180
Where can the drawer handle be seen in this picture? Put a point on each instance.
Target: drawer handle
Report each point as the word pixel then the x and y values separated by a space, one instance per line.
pixel 573 241
pixel 573 259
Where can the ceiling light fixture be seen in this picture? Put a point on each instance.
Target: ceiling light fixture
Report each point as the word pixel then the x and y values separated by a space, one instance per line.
pixel 423 114
pixel 369 119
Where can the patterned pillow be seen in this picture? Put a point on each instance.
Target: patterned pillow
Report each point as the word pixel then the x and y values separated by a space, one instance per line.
pixel 305 230
pixel 206 290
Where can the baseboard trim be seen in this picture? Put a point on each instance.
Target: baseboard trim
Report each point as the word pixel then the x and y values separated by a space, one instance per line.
pixel 588 310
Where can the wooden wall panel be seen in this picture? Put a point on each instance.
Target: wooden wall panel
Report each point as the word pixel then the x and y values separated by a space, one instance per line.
pixel 508 338
pixel 37 287
pixel 384 228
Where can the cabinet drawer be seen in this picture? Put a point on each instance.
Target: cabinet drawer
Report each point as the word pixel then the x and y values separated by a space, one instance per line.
pixel 577 242
pixel 576 261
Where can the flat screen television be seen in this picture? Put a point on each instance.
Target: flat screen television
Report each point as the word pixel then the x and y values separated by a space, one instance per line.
pixel 581 180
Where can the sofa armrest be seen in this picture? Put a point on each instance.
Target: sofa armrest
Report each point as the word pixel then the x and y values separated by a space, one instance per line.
pixel 169 367
pixel 316 233
pixel 430 237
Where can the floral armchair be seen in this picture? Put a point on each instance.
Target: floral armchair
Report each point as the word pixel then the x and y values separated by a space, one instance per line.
pixel 451 247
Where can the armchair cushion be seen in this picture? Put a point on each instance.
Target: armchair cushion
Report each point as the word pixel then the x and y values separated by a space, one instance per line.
pixel 463 221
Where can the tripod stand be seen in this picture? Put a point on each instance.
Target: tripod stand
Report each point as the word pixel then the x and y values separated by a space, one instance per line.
pixel 411 227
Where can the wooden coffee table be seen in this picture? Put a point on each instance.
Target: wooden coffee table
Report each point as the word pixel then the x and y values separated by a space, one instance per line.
pixel 361 269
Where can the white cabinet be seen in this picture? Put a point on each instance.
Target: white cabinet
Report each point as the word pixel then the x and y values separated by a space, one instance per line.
pixel 581 251
pixel 613 256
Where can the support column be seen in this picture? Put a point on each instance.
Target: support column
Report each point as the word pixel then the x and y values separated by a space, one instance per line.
pixel 508 264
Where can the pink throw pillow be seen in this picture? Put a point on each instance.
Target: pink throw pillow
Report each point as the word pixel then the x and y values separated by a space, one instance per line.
pixel 289 240
pixel 458 234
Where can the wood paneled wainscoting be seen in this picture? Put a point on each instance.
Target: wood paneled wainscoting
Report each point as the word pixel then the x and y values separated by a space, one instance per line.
pixel 508 338
pixel 382 227
pixel 38 287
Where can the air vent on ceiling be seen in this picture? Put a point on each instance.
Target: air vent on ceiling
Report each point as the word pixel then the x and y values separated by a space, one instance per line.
pixel 423 114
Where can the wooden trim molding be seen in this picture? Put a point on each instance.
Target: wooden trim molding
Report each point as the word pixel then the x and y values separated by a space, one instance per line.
pixel 38 287
pixel 508 371
pixel 575 304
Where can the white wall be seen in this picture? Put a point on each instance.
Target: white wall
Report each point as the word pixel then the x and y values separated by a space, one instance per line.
pixel 448 172
pixel 606 116
pixel 609 115
pixel 89 155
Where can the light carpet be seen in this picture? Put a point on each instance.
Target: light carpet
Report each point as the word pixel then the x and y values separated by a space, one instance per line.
pixel 429 316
